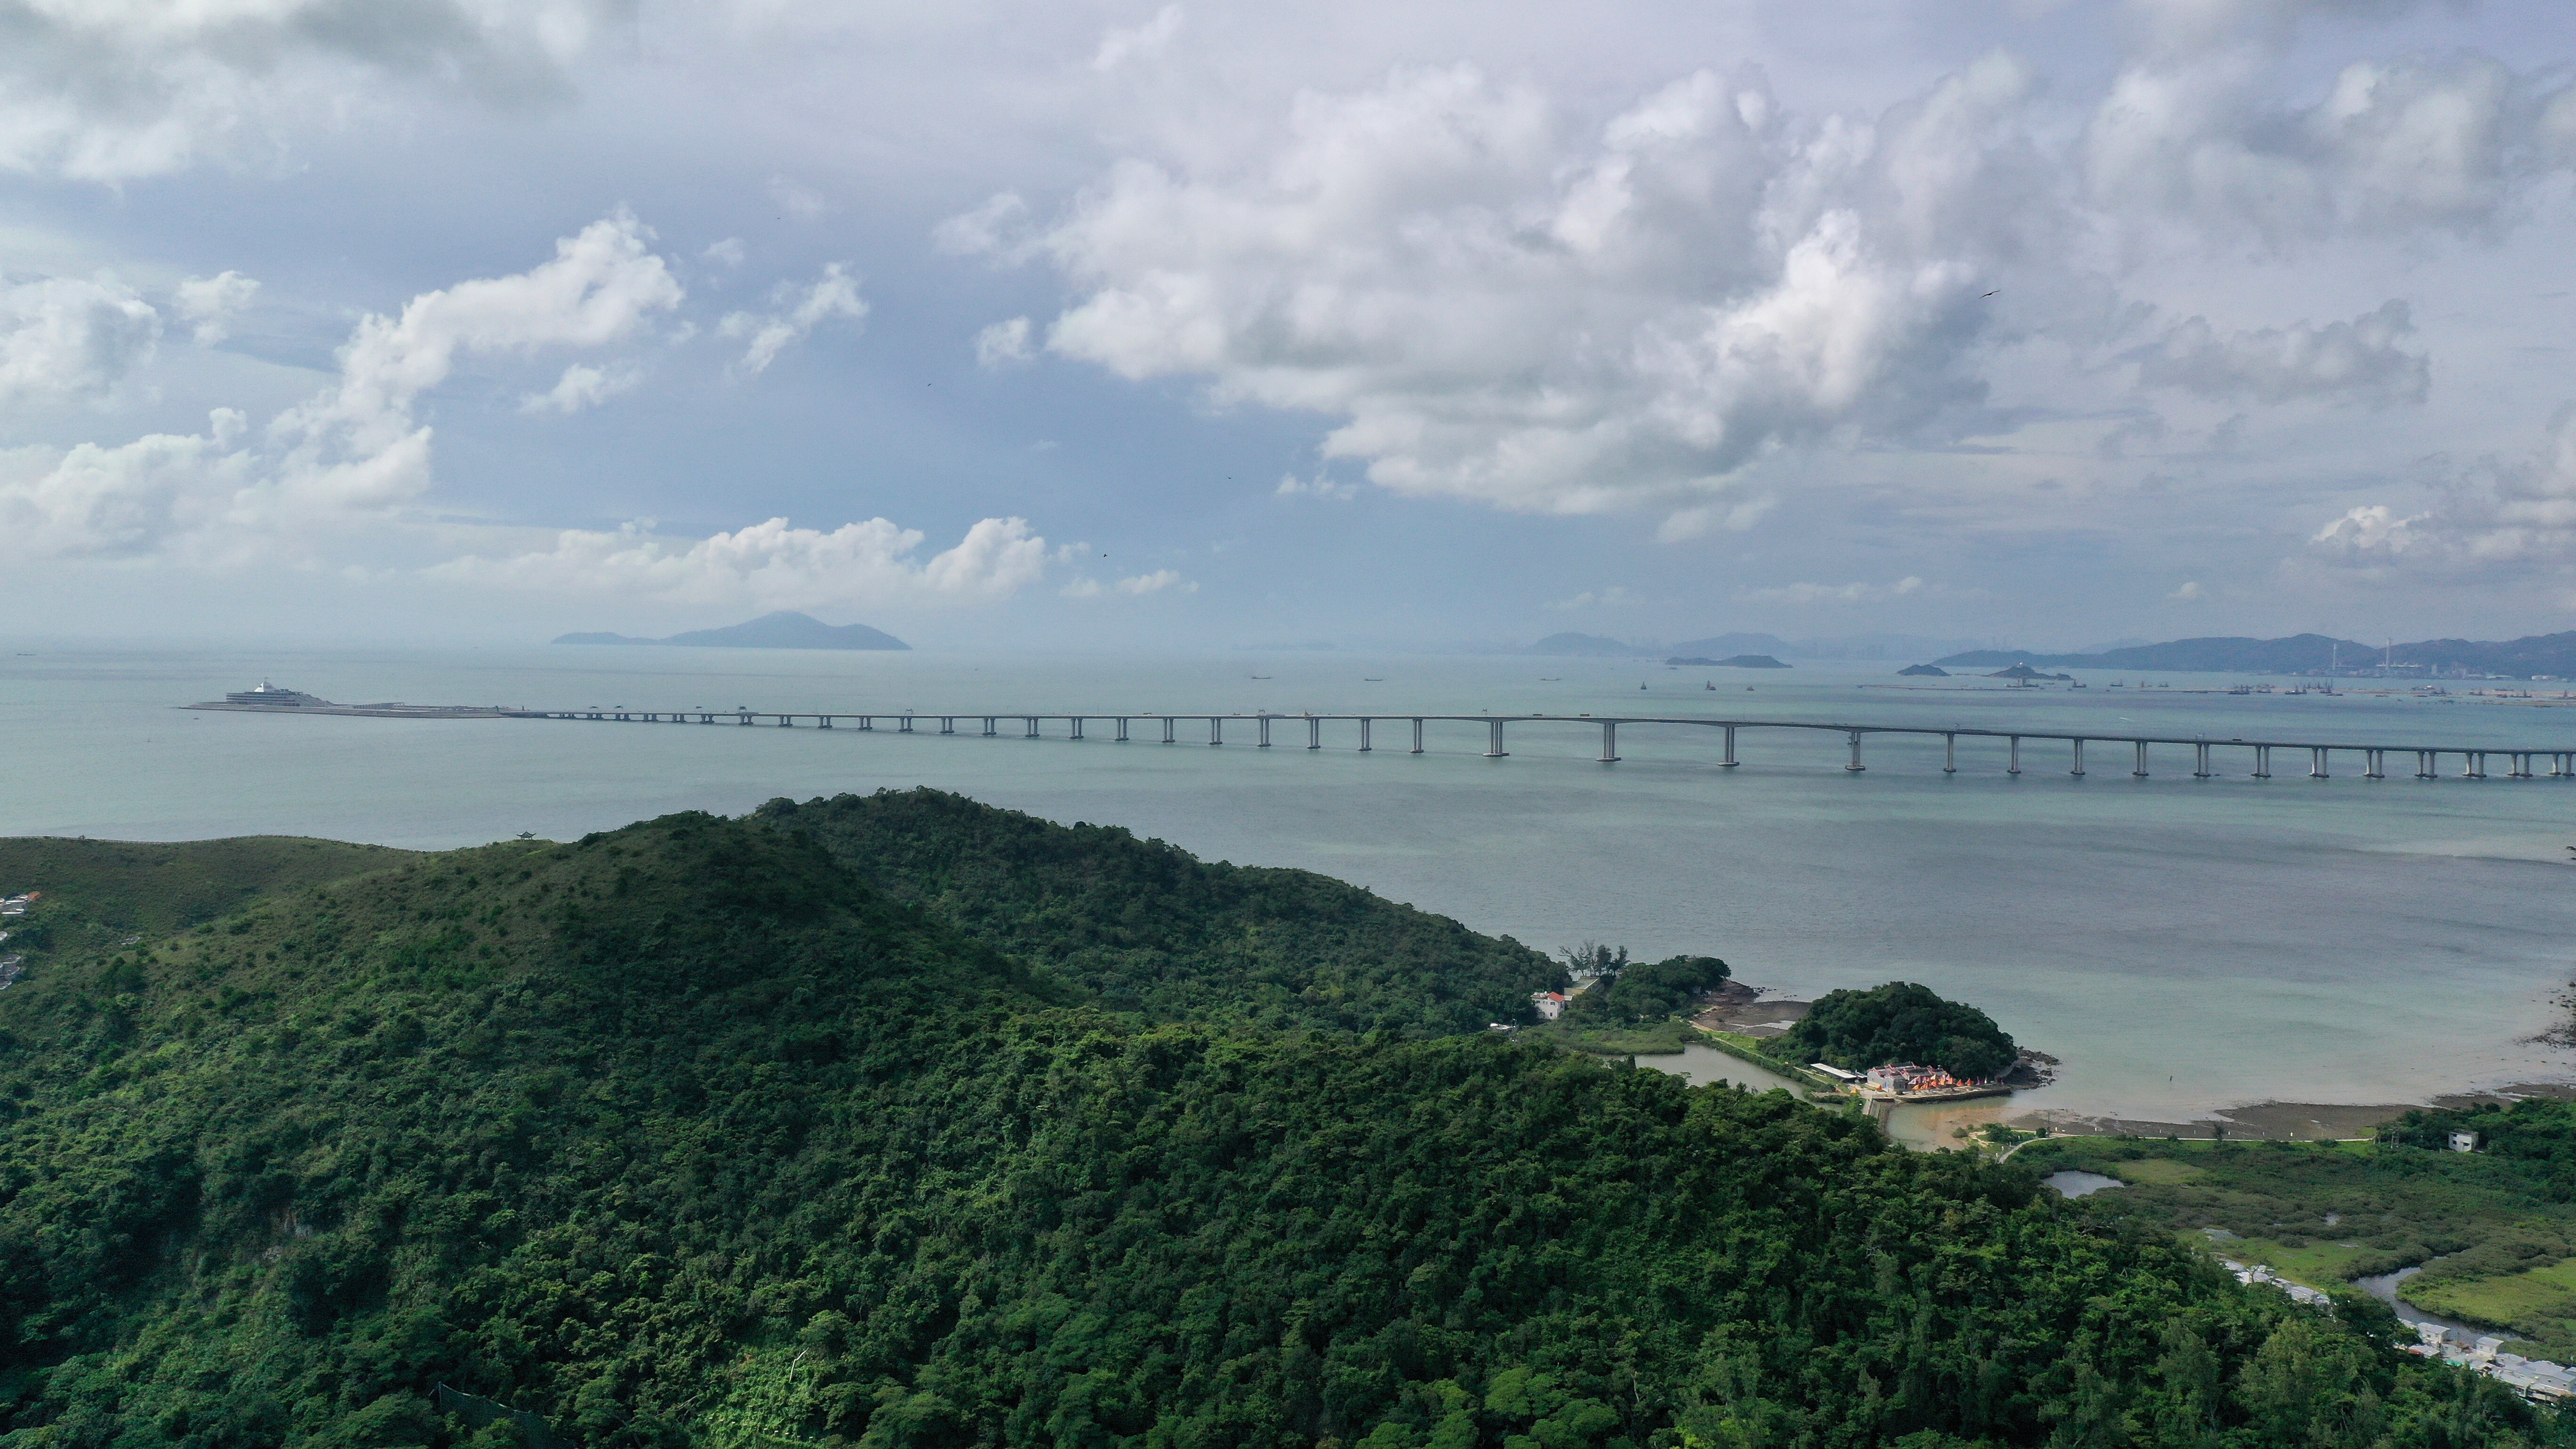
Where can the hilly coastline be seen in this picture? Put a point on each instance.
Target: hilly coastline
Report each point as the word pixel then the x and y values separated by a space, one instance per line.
pixel 2542 655
pixel 782 630
pixel 901 1120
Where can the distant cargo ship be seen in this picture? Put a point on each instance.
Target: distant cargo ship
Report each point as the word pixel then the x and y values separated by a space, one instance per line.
pixel 270 698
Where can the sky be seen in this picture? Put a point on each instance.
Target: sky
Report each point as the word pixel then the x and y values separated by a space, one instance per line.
pixel 1203 325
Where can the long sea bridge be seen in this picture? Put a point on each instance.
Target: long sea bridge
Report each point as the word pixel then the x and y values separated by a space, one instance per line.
pixel 2373 755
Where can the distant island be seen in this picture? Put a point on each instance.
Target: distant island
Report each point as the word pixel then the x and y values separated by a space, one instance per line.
pixel 2540 656
pixel 1738 661
pixel 782 630
pixel 1924 671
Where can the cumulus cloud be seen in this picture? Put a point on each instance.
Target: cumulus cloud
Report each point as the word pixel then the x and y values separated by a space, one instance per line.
pixel 70 336
pixel 1319 486
pixel 89 501
pixel 2190 593
pixel 1137 584
pixel 1853 593
pixel 2191 129
pixel 2502 517
pixel 113 92
pixel 211 303
pixel 728 252
pixel 1611 597
pixel 354 450
pixel 1496 303
pixel 581 386
pixel 834 294
pixel 1004 344
pixel 1138 42
pixel 774 565
pixel 357 445
pixel 2363 361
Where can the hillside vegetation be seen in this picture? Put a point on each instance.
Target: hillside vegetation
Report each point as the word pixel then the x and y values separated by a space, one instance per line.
pixel 99 889
pixel 1900 1022
pixel 690 1133
pixel 1152 930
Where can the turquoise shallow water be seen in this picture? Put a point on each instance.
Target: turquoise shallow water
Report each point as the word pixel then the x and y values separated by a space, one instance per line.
pixel 2181 944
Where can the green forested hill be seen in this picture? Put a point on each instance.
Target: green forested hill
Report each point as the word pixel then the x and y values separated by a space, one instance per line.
pixel 94 887
pixel 1153 930
pixel 687 1134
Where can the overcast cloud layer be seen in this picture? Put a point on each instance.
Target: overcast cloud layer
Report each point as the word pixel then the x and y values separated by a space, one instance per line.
pixel 1197 324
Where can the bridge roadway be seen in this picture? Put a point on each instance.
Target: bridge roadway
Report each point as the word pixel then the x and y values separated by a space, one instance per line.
pixel 2473 760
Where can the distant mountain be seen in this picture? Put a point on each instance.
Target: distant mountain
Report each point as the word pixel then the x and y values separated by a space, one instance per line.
pixel 1725 644
pixel 2551 655
pixel 1927 671
pixel 782 630
pixel 1589 646
pixel 1733 661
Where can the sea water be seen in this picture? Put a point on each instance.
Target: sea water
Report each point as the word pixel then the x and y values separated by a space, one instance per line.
pixel 2180 944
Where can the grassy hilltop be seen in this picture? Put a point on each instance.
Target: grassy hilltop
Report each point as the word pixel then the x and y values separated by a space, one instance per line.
pixel 910 1122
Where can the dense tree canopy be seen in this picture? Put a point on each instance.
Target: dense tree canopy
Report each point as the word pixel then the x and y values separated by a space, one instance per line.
pixel 1901 1022
pixel 688 1133
pixel 1648 990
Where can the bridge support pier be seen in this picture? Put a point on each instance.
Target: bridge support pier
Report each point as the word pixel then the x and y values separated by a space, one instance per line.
pixel 2374 764
pixel 990 728
pixel 1216 729
pixel 2427 765
pixel 2262 762
pixel 826 719
pixel 1949 754
pixel 1609 743
pixel 948 724
pixel 1264 722
pixel 1122 729
pixel 2012 764
pixel 787 721
pixel 1314 733
pixel 903 724
pixel 2079 759
pixel 2200 762
pixel 1077 728
pixel 1364 734
pixel 1730 762
pixel 1169 725
pixel 2140 772
pixel 2316 763
pixel 2473 765
pixel 743 719
pixel 1493 739
pixel 1417 737
pixel 1855 766
pixel 2521 766
pixel 1032 722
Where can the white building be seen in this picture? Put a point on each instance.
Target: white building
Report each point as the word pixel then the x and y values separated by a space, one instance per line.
pixel 2464 1142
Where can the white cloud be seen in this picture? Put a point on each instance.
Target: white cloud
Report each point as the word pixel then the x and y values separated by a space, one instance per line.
pixel 728 252
pixel 351 453
pixel 774 565
pixel 1319 486
pixel 358 445
pixel 797 199
pixel 2503 517
pixel 2190 593
pixel 988 230
pixel 1138 42
pixel 1135 585
pixel 90 500
pixel 581 386
pixel 834 294
pixel 1497 304
pixel 1004 344
pixel 2356 362
pixel 1853 593
pixel 213 302
pixel 108 90
pixel 66 336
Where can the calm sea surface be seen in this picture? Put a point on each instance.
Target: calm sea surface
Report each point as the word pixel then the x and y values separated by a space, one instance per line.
pixel 2182 944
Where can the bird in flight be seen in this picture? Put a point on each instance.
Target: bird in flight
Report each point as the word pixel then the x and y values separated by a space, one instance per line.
pixel 1998 289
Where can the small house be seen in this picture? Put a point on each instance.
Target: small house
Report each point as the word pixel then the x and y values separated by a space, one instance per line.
pixel 2464 1142
pixel 1550 1004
